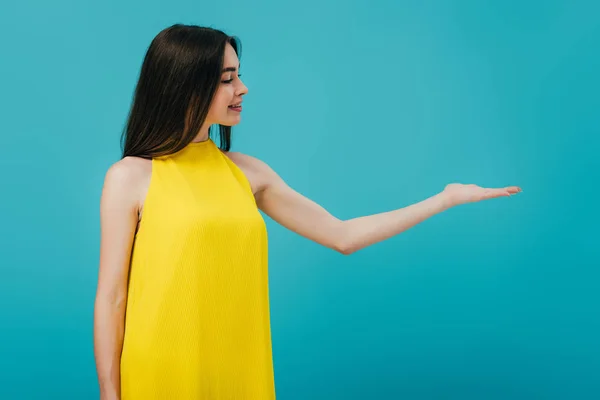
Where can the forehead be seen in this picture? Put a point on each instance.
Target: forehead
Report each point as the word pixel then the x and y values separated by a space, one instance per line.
pixel 230 59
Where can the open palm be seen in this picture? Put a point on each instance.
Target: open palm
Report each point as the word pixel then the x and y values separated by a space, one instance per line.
pixel 457 193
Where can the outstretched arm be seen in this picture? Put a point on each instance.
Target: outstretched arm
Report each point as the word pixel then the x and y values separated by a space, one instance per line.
pixel 364 231
pixel 307 218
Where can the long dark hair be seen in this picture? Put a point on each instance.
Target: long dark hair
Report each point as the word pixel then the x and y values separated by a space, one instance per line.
pixel 178 79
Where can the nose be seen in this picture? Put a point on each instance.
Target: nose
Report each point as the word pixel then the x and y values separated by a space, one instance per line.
pixel 241 89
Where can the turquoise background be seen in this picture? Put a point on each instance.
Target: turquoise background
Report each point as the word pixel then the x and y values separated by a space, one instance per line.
pixel 364 107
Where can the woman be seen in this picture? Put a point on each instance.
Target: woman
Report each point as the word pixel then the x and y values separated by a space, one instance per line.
pixel 182 306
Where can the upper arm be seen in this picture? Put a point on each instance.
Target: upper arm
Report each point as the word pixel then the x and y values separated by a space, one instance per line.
pixel 291 209
pixel 118 220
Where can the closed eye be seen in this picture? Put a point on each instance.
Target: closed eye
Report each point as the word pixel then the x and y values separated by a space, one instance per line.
pixel 231 80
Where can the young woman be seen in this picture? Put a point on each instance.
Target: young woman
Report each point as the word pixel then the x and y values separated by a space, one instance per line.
pixel 182 305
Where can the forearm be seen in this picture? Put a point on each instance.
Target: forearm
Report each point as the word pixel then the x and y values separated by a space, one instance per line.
pixel 108 342
pixel 364 231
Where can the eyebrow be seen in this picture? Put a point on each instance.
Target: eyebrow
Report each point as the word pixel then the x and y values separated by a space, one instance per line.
pixel 232 69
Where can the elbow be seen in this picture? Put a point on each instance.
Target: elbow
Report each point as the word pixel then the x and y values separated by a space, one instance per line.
pixel 343 244
pixel 113 299
pixel 345 250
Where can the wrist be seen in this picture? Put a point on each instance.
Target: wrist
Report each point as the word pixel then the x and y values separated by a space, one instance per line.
pixel 445 201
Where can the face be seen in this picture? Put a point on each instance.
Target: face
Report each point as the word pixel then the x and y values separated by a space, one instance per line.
pixel 229 93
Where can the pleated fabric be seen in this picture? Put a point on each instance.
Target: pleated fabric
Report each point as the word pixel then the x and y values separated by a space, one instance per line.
pixel 197 323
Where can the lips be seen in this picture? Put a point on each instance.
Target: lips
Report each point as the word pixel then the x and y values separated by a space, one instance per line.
pixel 238 105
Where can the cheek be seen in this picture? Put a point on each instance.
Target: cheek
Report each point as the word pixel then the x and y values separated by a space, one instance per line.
pixel 221 100
pixel 216 107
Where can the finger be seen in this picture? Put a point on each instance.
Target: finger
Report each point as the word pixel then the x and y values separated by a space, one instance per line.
pixel 513 189
pixel 494 193
pixel 509 190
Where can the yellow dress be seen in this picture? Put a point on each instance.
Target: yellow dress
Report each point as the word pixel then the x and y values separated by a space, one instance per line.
pixel 197 322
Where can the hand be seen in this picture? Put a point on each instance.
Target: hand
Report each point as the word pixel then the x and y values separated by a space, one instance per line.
pixel 457 193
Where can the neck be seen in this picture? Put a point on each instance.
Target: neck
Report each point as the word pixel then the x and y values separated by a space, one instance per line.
pixel 202 136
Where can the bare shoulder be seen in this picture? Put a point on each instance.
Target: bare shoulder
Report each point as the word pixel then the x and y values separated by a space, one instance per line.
pixel 258 172
pixel 129 171
pixel 245 160
pixel 128 179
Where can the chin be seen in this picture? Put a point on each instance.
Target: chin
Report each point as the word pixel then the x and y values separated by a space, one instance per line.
pixel 231 122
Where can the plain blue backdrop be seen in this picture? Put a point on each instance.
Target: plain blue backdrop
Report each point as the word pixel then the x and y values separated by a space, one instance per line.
pixel 365 107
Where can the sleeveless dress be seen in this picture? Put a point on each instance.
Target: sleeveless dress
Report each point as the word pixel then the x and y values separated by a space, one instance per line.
pixel 197 323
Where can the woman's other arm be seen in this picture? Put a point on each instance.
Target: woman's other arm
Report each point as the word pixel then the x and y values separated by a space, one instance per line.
pixel 118 220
